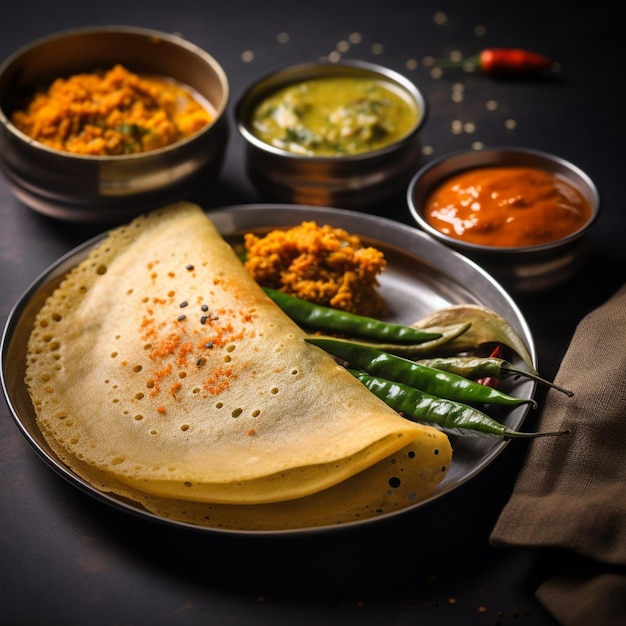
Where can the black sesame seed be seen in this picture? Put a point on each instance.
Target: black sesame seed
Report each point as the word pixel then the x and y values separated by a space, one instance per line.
pixel 181 318
pixel 183 304
pixel 205 307
pixel 203 319
pixel 189 267
pixel 199 362
pixel 208 344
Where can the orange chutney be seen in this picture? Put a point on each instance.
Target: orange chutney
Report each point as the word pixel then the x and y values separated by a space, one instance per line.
pixel 506 206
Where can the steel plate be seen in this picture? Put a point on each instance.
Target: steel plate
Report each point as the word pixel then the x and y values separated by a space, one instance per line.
pixel 422 276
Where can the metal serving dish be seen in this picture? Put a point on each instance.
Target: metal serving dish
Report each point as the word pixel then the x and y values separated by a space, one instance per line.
pixel 422 276
pixel 523 269
pixel 110 188
pixel 350 181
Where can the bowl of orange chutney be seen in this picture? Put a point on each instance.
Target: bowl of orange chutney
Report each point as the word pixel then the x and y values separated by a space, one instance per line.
pixel 523 215
pixel 102 123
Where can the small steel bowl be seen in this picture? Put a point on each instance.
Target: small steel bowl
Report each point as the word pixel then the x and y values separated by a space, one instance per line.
pixel 348 181
pixel 110 188
pixel 519 269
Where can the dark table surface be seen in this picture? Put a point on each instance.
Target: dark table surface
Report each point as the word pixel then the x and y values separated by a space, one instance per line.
pixel 66 558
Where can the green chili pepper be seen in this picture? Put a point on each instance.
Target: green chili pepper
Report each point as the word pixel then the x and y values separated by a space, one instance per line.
pixel 314 316
pixel 408 350
pixel 435 382
pixel 447 415
pixel 473 367
pixel 487 327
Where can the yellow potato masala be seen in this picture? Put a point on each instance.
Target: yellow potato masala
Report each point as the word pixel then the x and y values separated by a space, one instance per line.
pixel 322 264
pixel 112 113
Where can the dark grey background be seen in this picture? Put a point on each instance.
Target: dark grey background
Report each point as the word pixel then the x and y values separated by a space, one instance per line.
pixel 67 559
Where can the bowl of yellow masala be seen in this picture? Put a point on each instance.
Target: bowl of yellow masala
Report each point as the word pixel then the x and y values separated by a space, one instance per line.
pixel 524 215
pixel 102 123
pixel 331 134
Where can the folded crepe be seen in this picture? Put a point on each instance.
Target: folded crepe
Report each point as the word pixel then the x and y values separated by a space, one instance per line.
pixel 160 371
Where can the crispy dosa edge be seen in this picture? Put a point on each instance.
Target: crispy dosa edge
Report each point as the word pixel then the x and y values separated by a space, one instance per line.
pixel 402 480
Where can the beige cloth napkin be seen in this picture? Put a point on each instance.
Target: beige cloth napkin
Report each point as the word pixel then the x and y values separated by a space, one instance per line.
pixel 570 495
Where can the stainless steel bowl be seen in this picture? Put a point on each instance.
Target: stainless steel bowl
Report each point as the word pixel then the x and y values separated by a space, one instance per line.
pixel 522 269
pixel 110 188
pixel 351 181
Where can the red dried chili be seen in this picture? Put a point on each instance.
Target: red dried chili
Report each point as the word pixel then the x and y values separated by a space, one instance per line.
pixel 513 61
pixel 505 62
pixel 491 381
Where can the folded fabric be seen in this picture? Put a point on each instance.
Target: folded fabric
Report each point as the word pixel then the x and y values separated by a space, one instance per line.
pixel 570 495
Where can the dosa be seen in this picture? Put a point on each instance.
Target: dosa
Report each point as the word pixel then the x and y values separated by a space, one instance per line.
pixel 159 370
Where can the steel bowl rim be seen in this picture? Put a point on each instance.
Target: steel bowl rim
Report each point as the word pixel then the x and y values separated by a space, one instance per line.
pixel 511 151
pixel 177 40
pixel 293 73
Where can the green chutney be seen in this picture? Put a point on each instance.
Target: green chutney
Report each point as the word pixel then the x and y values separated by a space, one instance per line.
pixel 335 116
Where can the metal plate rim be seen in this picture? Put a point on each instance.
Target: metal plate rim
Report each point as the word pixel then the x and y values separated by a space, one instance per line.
pixel 235 218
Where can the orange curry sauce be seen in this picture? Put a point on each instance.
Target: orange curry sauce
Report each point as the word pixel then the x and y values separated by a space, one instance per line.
pixel 506 207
